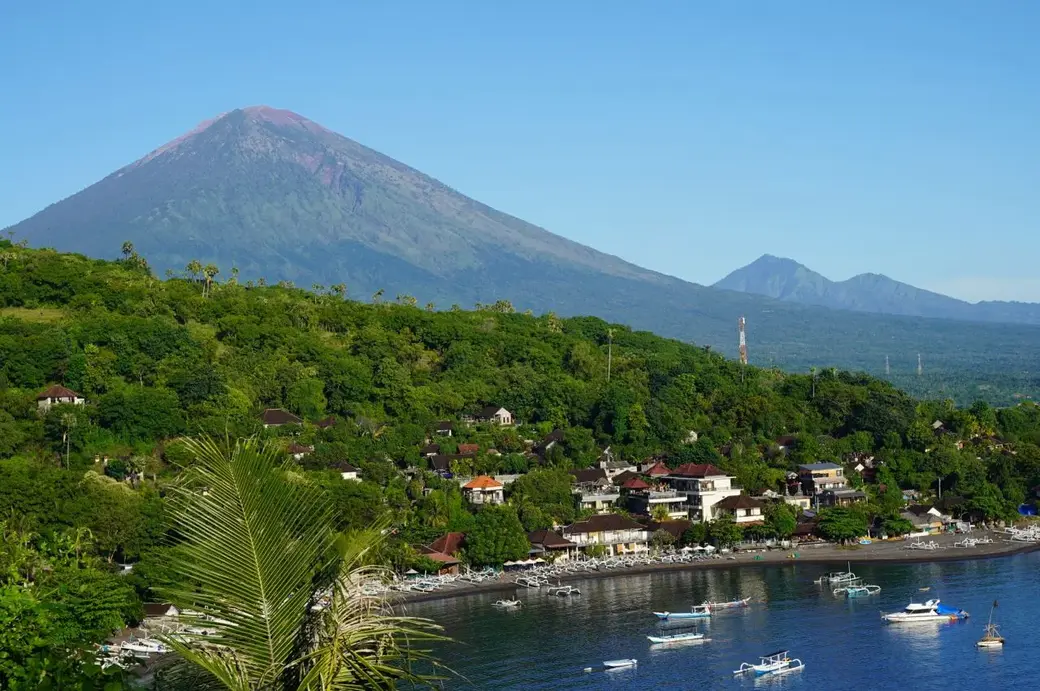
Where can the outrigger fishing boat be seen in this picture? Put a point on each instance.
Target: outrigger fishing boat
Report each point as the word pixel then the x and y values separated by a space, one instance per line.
pixel 773 664
pixel 563 590
pixel 696 612
pixel 837 577
pixel 929 611
pixel 733 604
pixel 507 604
pixel 676 638
pixel 862 590
pixel 991 637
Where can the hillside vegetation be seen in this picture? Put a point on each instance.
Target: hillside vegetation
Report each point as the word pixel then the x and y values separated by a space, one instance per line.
pixel 82 487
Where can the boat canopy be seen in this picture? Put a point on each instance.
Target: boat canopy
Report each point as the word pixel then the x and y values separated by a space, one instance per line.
pixel 778 653
pixel 943 609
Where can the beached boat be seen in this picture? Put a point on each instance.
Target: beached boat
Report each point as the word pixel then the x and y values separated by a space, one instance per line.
pixel 507 604
pixel 618 664
pixel 696 612
pixel 931 611
pixel 144 646
pixel 676 638
pixel 733 604
pixel 991 637
pixel 772 664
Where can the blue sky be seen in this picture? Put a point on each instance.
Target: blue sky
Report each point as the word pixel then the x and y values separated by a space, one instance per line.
pixel 688 137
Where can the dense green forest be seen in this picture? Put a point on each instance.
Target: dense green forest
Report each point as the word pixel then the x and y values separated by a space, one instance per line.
pixel 83 488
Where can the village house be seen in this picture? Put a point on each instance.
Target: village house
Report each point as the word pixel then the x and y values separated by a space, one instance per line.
pixel 444 428
pixel 495 415
pixel 704 486
pixel 430 450
pixel 450 544
pixel 797 500
pixel 326 423
pixel 817 477
pixel 347 471
pixel 675 528
pixel 616 533
pixel 298 451
pixel 447 565
pixel 645 499
pixel 612 465
pixel 58 395
pixel 276 417
pixel 469 448
pixel 927 520
pixel 547 443
pixel 552 544
pixel 441 463
pixel 741 508
pixel 593 490
pixel 841 497
pixel 656 470
pixel 483 490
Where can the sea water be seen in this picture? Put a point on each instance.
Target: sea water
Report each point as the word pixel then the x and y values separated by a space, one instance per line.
pixel 844 644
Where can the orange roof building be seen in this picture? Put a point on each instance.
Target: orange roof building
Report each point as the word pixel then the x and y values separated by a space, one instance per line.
pixel 484 490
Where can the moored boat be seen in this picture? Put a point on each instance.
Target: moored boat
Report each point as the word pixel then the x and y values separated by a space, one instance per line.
pixel 862 590
pixel 618 664
pixel 696 612
pixel 507 604
pixel 930 611
pixel 772 664
pixel 733 604
pixel 676 638
pixel 563 590
pixel 991 637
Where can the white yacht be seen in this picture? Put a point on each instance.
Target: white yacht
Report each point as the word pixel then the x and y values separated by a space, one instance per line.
pixel 928 611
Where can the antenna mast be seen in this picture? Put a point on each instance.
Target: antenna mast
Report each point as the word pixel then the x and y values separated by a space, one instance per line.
pixel 743 341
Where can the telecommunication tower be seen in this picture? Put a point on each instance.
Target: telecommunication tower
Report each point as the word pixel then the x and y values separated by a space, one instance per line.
pixel 743 341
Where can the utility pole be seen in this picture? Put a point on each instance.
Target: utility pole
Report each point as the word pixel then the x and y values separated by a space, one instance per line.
pixel 940 487
pixel 610 348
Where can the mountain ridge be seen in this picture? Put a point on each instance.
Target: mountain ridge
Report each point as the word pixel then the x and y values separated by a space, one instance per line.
pixel 275 195
pixel 785 279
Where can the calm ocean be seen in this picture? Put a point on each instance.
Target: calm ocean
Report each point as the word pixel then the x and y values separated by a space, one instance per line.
pixel 843 643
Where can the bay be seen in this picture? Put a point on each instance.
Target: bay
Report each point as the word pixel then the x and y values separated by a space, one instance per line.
pixel 843 643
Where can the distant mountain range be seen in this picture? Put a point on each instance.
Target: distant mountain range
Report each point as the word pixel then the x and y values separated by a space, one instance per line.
pixel 786 279
pixel 275 195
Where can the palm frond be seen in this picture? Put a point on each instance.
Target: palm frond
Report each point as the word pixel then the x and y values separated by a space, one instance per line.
pixel 254 544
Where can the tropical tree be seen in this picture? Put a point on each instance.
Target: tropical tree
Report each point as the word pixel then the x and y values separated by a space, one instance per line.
pixel 258 555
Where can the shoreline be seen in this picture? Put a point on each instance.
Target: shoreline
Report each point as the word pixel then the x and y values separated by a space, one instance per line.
pixel 875 553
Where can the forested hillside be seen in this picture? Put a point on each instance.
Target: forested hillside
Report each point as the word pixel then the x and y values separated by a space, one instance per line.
pixel 82 486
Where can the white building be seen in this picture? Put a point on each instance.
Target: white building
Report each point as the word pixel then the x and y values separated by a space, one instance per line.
pixel 484 490
pixel 741 508
pixel 58 395
pixel 616 533
pixel 704 486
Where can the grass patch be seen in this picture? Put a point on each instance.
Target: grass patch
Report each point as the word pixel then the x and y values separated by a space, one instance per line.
pixel 42 315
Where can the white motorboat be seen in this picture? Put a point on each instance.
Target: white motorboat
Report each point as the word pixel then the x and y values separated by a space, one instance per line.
pixel 676 638
pixel 619 664
pixel 507 604
pixel 930 611
pixel 773 664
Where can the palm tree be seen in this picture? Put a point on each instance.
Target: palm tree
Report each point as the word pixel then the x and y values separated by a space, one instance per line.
pixel 128 249
pixel 209 271
pixel 194 268
pixel 377 296
pixel 283 590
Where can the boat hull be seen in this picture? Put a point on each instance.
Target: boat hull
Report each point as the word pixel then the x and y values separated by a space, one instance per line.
pixel 676 639
pixel 664 616
pixel 618 664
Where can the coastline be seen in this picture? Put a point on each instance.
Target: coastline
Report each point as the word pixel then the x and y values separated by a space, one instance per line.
pixel 826 553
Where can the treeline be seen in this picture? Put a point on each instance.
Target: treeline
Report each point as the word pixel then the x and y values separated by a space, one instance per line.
pixel 158 360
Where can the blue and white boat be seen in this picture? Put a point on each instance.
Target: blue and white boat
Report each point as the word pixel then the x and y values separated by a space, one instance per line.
pixel 773 664
pixel 676 638
pixel 696 612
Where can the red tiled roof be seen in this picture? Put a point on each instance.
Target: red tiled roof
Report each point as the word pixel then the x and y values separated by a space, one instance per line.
pixel 58 391
pixel 482 482
pixel 327 422
pixel 469 448
pixel 449 543
pixel 603 522
pixel 659 470
pixel 698 470
pixel 635 483
pixel 439 556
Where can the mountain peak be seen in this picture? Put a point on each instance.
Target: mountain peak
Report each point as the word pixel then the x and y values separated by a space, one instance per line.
pixel 278 116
